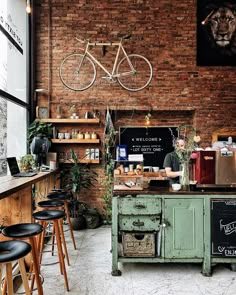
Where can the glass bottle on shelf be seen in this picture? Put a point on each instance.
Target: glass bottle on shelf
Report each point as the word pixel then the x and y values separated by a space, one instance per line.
pixel 94 135
pixel 74 134
pixel 87 135
pixel 80 135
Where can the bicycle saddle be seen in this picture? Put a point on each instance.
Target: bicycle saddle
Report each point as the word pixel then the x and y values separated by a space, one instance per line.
pixel 124 36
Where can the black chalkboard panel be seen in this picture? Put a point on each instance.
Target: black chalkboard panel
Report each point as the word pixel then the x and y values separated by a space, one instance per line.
pixel 153 142
pixel 223 228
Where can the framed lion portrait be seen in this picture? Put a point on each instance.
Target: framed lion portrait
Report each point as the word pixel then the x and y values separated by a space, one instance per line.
pixel 216 33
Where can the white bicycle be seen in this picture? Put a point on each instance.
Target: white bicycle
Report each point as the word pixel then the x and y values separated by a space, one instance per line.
pixel 78 72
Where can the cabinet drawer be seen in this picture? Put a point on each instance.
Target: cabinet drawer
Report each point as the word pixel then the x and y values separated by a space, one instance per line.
pixel 139 206
pixel 139 223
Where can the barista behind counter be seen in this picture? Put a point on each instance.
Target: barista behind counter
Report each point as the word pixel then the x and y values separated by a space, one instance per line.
pixel 171 162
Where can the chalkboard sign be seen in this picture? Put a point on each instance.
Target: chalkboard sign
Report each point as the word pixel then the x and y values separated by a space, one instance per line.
pixel 153 142
pixel 223 228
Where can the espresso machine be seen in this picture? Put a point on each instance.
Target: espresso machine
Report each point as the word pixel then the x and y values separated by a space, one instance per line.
pixel 215 167
pixel 204 167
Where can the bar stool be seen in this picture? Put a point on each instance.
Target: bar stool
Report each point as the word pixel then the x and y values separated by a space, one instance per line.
pixel 29 231
pixel 9 252
pixel 55 205
pixel 54 216
pixel 64 197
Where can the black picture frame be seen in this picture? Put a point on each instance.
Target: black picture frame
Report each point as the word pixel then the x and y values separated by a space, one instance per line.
pixel 209 51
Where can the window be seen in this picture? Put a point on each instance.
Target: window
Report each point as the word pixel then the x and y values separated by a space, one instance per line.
pixel 13 80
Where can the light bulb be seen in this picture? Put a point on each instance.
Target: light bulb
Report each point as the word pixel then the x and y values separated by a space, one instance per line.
pixel 28 8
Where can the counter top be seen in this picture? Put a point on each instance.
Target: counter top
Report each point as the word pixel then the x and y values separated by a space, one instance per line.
pixel 168 191
pixel 10 184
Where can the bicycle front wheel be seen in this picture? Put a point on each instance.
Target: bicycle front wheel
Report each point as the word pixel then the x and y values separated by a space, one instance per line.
pixel 77 72
pixel 134 73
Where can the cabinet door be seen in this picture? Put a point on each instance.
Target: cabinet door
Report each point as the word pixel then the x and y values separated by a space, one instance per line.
pixel 183 234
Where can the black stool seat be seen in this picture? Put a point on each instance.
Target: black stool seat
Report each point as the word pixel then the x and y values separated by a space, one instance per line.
pixel 22 230
pixel 50 203
pixel 49 214
pixel 58 196
pixel 13 250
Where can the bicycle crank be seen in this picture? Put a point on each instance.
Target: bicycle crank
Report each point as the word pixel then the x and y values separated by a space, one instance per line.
pixel 109 79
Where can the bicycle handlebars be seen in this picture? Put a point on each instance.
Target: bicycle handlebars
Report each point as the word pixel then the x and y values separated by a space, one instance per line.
pixel 121 37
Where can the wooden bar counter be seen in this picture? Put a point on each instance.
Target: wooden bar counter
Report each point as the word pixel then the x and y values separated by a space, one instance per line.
pixel 16 196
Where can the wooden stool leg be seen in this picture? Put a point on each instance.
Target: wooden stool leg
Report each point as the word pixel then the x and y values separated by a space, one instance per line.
pixel 63 240
pixel 41 241
pixel 0 273
pixel 36 267
pixel 60 252
pixel 24 276
pixel 53 239
pixel 9 278
pixel 69 222
pixel 4 287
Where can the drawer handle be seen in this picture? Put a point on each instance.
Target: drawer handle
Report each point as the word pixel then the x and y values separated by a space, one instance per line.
pixel 140 206
pixel 138 223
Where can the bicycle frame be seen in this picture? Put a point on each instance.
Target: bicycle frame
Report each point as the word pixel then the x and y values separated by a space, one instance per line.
pixel 120 48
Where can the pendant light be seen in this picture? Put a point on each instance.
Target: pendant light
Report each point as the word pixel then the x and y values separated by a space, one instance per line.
pixel 28 7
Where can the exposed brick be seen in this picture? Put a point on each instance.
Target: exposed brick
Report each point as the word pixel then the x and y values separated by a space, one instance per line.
pixel 165 32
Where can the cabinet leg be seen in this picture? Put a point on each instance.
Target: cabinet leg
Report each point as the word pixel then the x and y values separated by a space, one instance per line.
pixel 116 273
pixel 233 266
pixel 206 269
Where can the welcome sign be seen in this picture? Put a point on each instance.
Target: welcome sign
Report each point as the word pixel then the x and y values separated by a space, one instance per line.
pixel 153 142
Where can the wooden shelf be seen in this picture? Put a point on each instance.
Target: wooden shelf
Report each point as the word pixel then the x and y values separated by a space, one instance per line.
pixel 75 140
pixel 84 161
pixel 71 121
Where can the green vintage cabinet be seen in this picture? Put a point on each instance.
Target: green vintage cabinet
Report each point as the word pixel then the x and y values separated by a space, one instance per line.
pixel 181 223
pixel 183 228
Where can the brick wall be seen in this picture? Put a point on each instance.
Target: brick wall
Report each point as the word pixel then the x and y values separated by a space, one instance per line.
pixel 163 31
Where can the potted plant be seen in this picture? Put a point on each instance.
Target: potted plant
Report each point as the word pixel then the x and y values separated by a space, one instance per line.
pixel 77 178
pixel 27 163
pixel 40 129
pixel 39 134
pixel 109 144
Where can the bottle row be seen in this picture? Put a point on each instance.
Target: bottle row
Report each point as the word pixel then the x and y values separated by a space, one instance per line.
pixel 74 134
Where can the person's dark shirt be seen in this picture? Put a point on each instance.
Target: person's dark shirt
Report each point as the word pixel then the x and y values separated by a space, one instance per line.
pixel 172 161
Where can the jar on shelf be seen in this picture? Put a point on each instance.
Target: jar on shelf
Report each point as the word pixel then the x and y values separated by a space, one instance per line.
pixel 74 134
pixel 80 135
pixel 94 135
pixel 87 135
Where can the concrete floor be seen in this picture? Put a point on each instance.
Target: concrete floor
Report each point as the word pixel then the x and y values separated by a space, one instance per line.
pixel 90 273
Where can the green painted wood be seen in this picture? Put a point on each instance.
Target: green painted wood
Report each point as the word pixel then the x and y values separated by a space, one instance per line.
pixel 186 237
pixel 140 205
pixel 114 237
pixel 184 228
pixel 139 223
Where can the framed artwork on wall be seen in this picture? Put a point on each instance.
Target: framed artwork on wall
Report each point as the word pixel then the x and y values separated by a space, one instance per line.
pixel 216 33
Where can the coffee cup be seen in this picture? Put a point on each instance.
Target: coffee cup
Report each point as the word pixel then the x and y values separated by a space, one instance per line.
pixel 67 135
pixel 61 135
pixel 176 186
pixel 155 169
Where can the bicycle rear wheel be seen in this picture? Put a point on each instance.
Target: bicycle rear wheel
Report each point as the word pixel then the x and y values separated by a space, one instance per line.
pixel 77 72
pixel 137 78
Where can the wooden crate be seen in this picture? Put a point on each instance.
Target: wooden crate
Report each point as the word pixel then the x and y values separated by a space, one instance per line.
pixel 138 244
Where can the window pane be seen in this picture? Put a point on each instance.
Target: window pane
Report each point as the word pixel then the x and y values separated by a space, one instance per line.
pixel 13 138
pixel 13 48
